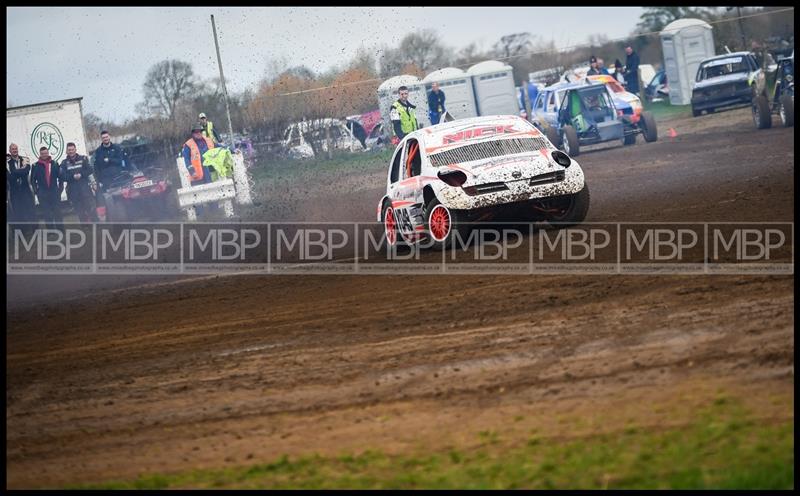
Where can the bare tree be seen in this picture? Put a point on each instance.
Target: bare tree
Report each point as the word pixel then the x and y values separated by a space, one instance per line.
pixel 511 45
pixel 424 49
pixel 167 83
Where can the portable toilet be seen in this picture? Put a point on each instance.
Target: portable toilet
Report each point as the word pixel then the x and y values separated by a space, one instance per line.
pixel 493 83
pixel 685 43
pixel 387 94
pixel 458 92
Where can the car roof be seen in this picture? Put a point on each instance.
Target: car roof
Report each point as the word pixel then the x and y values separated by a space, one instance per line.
pixel 574 84
pixel 726 55
pixel 437 131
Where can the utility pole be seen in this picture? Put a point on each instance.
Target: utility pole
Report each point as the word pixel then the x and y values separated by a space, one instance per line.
pixel 222 80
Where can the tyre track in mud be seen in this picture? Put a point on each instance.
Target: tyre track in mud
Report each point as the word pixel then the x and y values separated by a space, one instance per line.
pixel 239 370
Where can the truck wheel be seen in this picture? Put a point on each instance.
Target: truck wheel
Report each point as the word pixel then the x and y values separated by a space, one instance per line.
pixel 570 140
pixel 696 113
pixel 787 110
pixel 444 225
pixel 116 211
pixel 648 123
pixel 571 209
pixel 553 136
pixel 762 117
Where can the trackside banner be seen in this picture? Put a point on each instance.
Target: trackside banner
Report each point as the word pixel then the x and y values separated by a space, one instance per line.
pixel 363 248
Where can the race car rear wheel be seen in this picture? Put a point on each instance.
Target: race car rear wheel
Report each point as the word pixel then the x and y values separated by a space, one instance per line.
pixel 444 225
pixel 570 140
pixel 569 210
pixel 787 110
pixel 762 117
pixel 629 139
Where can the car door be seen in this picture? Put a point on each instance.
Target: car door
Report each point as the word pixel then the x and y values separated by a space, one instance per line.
pixel 406 192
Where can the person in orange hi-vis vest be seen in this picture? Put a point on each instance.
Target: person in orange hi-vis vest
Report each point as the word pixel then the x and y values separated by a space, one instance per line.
pixel 193 151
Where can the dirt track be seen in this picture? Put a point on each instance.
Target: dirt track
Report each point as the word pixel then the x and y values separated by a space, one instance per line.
pixel 239 370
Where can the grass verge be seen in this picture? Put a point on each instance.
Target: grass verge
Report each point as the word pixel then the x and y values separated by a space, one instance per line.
pixel 665 111
pixel 725 446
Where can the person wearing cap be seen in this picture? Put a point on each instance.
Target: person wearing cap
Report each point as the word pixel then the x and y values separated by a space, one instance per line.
pixel 193 151
pixel 593 69
pixel 618 73
pixel 208 128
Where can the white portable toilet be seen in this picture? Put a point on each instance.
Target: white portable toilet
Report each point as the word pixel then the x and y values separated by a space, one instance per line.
pixel 457 87
pixel 685 43
pixel 387 94
pixel 493 83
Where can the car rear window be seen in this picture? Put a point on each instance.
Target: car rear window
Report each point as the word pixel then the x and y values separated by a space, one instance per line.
pixel 487 149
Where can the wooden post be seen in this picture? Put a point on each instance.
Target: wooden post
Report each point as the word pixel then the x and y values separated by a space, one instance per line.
pixel 328 140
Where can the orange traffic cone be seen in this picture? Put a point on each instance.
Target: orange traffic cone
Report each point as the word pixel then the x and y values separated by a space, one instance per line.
pixel 672 133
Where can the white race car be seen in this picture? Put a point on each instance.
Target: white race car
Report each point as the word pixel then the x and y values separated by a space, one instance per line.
pixel 495 167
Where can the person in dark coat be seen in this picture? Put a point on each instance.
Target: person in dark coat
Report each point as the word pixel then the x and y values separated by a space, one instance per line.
pixel 78 176
pixel 18 181
pixel 632 70
pixel 47 185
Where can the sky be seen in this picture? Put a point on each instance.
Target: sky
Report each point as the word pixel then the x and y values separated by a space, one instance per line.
pixel 105 55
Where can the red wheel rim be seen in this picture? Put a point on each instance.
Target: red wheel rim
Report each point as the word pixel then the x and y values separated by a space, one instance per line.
pixel 439 223
pixel 389 226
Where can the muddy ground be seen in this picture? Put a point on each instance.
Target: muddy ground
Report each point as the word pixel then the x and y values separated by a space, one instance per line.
pixel 108 384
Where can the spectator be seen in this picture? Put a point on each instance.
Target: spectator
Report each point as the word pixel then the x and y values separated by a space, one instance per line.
pixel 632 70
pixel 404 120
pixel 208 129
pixel 77 174
pixel 20 191
pixel 435 103
pixel 193 151
pixel 618 72
pixel 48 187
pixel 533 93
pixel 593 70
pixel 108 157
pixel 602 67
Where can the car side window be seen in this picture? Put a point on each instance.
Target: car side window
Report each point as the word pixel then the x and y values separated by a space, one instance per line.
pixel 539 105
pixel 552 102
pixel 412 164
pixel 394 175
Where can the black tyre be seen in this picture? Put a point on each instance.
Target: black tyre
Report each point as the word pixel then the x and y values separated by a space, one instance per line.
pixel 569 138
pixel 649 129
pixel 569 210
pixel 762 117
pixel 553 136
pixel 444 225
pixel 696 113
pixel 787 110
pixel 629 139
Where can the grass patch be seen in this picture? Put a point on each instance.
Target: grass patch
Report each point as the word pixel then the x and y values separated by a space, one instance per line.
pixel 723 448
pixel 665 111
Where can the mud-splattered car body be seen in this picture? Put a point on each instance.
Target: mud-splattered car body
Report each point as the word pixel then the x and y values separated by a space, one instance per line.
pixel 477 168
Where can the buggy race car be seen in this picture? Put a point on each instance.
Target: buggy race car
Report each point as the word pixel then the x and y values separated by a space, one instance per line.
pixel 443 177
pixel 583 113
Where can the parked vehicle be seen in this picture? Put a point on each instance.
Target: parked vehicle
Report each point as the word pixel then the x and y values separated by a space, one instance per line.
pixel 442 177
pixel 782 100
pixel 658 88
pixel 727 81
pixel 310 138
pixel 583 113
